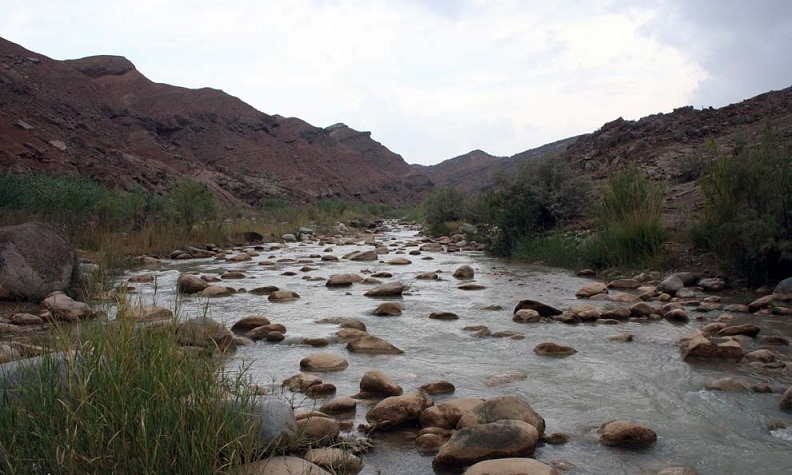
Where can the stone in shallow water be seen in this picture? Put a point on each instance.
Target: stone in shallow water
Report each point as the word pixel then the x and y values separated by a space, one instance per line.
pixel 323 362
pixel 626 434
pixel 501 439
pixel 511 466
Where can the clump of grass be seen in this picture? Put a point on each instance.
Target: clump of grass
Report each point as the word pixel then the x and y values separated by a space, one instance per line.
pixel 553 249
pixel 124 400
pixel 630 231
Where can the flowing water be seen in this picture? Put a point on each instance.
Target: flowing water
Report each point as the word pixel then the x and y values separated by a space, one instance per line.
pixel 644 381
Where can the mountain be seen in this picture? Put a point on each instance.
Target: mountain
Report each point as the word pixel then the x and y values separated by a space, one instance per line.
pixel 665 146
pixel 100 117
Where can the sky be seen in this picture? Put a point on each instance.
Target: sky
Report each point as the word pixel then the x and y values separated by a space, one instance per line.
pixel 434 79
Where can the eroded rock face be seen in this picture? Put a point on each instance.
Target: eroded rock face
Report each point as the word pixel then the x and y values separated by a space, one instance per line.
pixel 35 260
pixel 506 438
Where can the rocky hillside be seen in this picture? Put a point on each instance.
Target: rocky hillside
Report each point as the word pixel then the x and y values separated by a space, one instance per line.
pixel 664 145
pixel 100 117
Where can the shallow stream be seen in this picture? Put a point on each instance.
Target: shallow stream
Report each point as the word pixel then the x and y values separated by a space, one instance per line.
pixel 644 381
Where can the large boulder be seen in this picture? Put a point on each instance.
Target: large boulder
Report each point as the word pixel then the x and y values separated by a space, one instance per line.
pixel 784 287
pixel 671 284
pixel 506 438
pixel 396 411
pixel 502 408
pixel 63 307
pixel 511 466
pixel 35 260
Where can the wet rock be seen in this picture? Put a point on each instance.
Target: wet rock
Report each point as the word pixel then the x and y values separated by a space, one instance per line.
pixel 275 337
pixel 729 384
pixel 427 276
pixel 399 261
pixel 300 382
pixel 677 471
pixel 263 331
pixel 283 296
pixel 677 316
pixel 344 322
pixel 700 346
pixel 623 297
pixel 349 334
pixel 391 289
pixel 35 260
pixel 339 405
pixel 671 284
pixel 318 429
pixel 447 414
pixel 241 257
pixel 216 291
pixel 430 443
pixel 443 316
pixel 623 337
pixel 464 272
pixel 784 287
pixel 26 319
pixel 502 408
pixel 526 316
pixel 205 333
pixel 592 289
pixel 624 284
pixel 362 256
pixel 275 418
pixel 431 247
pixel 373 345
pixel 506 378
pixel 762 356
pixel 146 313
pixel 281 465
pixel 712 284
pixel 233 275
pixel 626 434
pixel 501 439
pixel 376 383
pixel 321 390
pixel 316 341
pixel 335 460
pixel 618 313
pixel 785 404
pixel 747 330
pixel 642 309
pixel 511 466
pixel 388 309
pixel 246 324
pixel 775 340
pixel 544 310
pixel 264 290
pixel 586 273
pixel 339 280
pixel 553 349
pixel 437 387
pixel 471 287
pixel 556 438
pixel 322 362
pixel 142 278
pixel 396 411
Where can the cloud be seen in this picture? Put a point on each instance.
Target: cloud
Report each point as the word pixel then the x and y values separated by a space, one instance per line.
pixel 430 79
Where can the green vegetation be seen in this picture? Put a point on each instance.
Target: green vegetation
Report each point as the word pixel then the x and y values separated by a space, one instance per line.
pixel 629 228
pixel 125 400
pixel 747 219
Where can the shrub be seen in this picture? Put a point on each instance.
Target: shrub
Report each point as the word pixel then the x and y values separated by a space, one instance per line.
pixel 628 222
pixel 747 217
pixel 445 204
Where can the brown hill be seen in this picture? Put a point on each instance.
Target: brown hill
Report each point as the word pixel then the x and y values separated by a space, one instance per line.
pixel 100 117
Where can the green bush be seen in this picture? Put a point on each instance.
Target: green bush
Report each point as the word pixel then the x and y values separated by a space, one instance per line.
pixel 553 249
pixel 629 228
pixel 126 401
pixel 445 204
pixel 540 197
pixel 747 217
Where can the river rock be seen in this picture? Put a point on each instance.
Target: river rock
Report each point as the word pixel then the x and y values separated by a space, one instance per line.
pixel 784 287
pixel 147 313
pixel 747 330
pixel 339 280
pixel 299 383
pixel 447 414
pixel 427 276
pixel 190 284
pixel 526 316
pixel 142 278
pixel 671 284
pixel 246 324
pixel 501 408
pixel 282 296
pixel 713 284
pixel 205 333
pixel 274 417
pixel 464 272
pixel 399 261
pixel 431 247
pixel 373 345
pixel 553 349
pixel 677 315
pixel 26 319
pixel 642 309
pixel 622 337
pixel 511 466
pixel 334 459
pixel 282 465
pixel 592 289
pixel 322 362
pixel 350 334
pixel 443 316
pixel 262 332
pixel 216 291
pixel 437 387
pixel 339 405
pixel 430 443
pixel 35 260
pixel 501 439
pixel 391 289
pixel 396 411
pixel 677 471
pixel 376 383
pixel 785 404
pixel 63 307
pixel 388 309
pixel 319 429
pixel 624 297
pixel 624 284
pixel 544 310
pixel 700 346
pixel 626 434
pixel 762 356
pixel 321 390
pixel 369 255
pixel 729 384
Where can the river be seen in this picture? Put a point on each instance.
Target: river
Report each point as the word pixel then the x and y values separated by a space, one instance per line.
pixel 643 381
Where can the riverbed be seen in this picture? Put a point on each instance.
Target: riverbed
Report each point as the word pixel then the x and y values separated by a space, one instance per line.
pixel 644 381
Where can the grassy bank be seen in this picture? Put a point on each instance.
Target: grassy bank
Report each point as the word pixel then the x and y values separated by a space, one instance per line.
pixel 123 399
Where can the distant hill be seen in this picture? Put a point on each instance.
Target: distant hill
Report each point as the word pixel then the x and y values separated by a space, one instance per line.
pixel 100 117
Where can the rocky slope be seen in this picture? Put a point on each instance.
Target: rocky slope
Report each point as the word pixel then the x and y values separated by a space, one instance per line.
pixel 100 117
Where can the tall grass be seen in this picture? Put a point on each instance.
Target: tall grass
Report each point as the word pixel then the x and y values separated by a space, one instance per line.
pixel 125 400
pixel 630 231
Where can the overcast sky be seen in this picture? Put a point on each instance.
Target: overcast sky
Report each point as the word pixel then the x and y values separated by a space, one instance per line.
pixel 433 79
